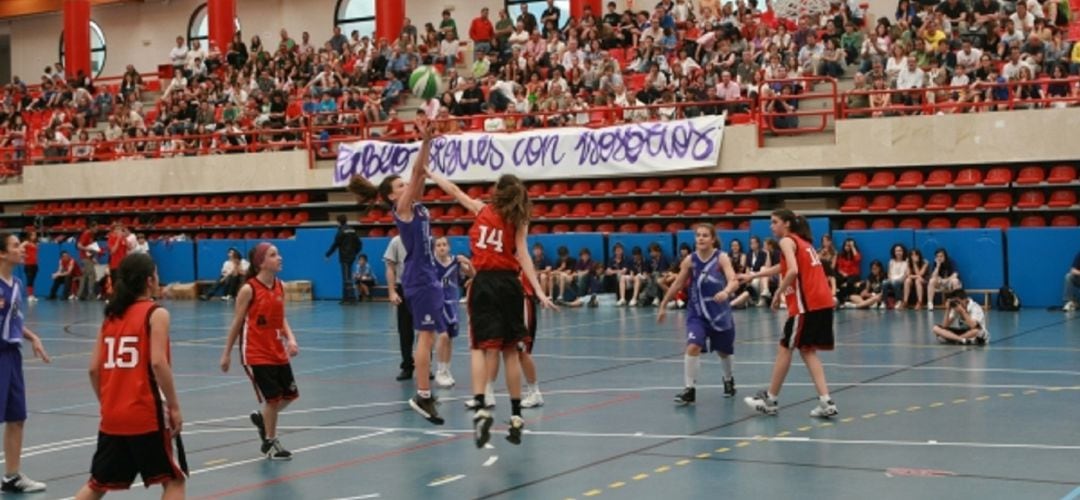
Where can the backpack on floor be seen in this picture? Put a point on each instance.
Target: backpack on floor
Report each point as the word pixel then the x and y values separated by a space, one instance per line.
pixel 1007 300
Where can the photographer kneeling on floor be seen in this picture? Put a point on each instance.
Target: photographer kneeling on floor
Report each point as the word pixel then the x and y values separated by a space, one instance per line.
pixel 965 321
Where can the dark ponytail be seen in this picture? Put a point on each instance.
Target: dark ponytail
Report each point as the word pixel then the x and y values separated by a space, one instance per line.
pixel 129 283
pixel 368 193
pixel 797 224
pixel 511 201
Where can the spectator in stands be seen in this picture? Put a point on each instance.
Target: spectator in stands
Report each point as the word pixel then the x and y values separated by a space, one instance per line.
pixel 549 19
pixel 893 285
pixel 527 19
pixel 583 276
pixel 237 55
pixel 782 107
pixel 858 98
pixel 911 77
pixel 233 272
pixel 633 277
pixel 482 33
pixel 868 293
pixel 492 122
pixel 832 60
pixel 88 252
pixel 1070 296
pixel 944 277
pixel 650 284
pixel 967 315
pixel 564 267
pixel 141 245
pixel 447 25
pixel 66 272
pixel 542 265
pixel 56 146
pixel 83 148
pixel 364 278
pixel 916 279
pixel 848 265
pixel 347 244
pixel 178 55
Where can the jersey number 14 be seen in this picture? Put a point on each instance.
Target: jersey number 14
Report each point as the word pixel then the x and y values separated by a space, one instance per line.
pixel 490 238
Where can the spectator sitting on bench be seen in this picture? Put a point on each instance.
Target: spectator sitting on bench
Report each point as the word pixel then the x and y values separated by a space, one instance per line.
pixel 64 276
pixel 232 276
pixel 944 277
pixel 916 278
pixel 969 319
pixel 1071 295
pixel 365 279
pixel 870 293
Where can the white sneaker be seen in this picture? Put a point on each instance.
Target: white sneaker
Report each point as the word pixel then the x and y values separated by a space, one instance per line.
pixel 824 410
pixel 680 304
pixel 463 300
pixel 21 484
pixel 930 307
pixel 31 299
pixel 533 400
pixel 1069 306
pixel 633 303
pixel 444 379
pixel 621 302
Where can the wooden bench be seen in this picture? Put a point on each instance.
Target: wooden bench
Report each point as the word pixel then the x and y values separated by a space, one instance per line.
pixel 985 292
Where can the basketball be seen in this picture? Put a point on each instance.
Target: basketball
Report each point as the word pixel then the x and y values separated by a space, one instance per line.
pixel 425 82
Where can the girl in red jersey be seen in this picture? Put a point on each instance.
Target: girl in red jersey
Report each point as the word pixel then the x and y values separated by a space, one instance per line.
pixel 30 264
pixel 131 373
pixel 496 297
pixel 266 344
pixel 810 303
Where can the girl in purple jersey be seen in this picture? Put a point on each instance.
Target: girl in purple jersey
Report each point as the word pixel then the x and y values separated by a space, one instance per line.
pixel 420 280
pixel 709 324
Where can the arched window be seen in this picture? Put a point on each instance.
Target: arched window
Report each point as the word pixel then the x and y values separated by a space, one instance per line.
pixel 355 15
pixel 97 49
pixel 199 28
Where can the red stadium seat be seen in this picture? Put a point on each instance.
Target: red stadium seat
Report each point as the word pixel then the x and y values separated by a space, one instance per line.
pixel 266 218
pixel 998 223
pixel 747 183
pixel 284 218
pixel 747 206
pixel 1067 220
pixel 744 225
pixel 855 225
pixel 882 179
pixel 281 200
pixel 557 210
pixel 560 228
pixel 556 189
pixel 939 201
pixel 624 187
pixel 219 235
pixel 455 212
pixel 999 176
pixel 628 227
pixel 602 188
pixel 883 224
pixel 456 231
pixel 854 180
pixel 969 201
pixel 79 207
pixel 377 232
pixel 580 188
pixel 538 229
pixel 672 208
pixel 251 235
pixel 998 201
pixel 250 219
pixel 1062 199
pixel 968 223
pixel 285 234
pixel 200 221
pixel 583 228
pixel 625 209
pixel 649 209
pixel 910 223
pixel 217 220
pixel 910 202
pixel 721 185
pixel 539 211
pixel 1062 174
pixel 968 177
pixel 722 207
pixel 109 206
pixel 233 201
pixel 184 221
pixel 672 185
pixel 182 203
pixel 652 227
pixel 725 225
pixel 674 227
pixel 266 199
pixel 648 186
pixel 1030 175
pixel 939 178
pixel 854 204
pixel 603 209
pixel 218 201
pixel 373 215
pixel 267 235
pixel 232 220
pixel 1031 199
pixel 93 206
pixel 200 202
pixel 606 228
pixel 235 235
pixel 696 185
pixel 910 179
pixel 938 223
pixel 438 231
pixel 582 209
pixel 300 198
pixel 167 222
pixel 436 213
pixel 697 207
pixel 477 192
pixel 882 203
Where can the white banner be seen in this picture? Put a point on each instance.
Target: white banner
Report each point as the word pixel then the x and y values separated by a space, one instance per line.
pixel 558 153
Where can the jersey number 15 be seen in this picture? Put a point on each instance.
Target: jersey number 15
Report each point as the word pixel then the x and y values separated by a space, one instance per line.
pixel 492 237
pixel 121 353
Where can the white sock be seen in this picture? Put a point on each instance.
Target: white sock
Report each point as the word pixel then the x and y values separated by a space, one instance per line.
pixel 691 365
pixel 728 363
pixel 489 389
pixel 771 396
pixel 531 388
pixel 424 394
pixel 825 398
pixel 442 367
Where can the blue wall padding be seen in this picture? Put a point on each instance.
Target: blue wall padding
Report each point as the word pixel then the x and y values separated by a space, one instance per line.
pixel 875 244
pixel 643 240
pixel 175 261
pixel 979 254
pixel 726 235
pixel 1038 261
pixel 459 245
pixel 573 242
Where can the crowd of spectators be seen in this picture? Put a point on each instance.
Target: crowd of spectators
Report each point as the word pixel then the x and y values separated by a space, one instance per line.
pixel 548 68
